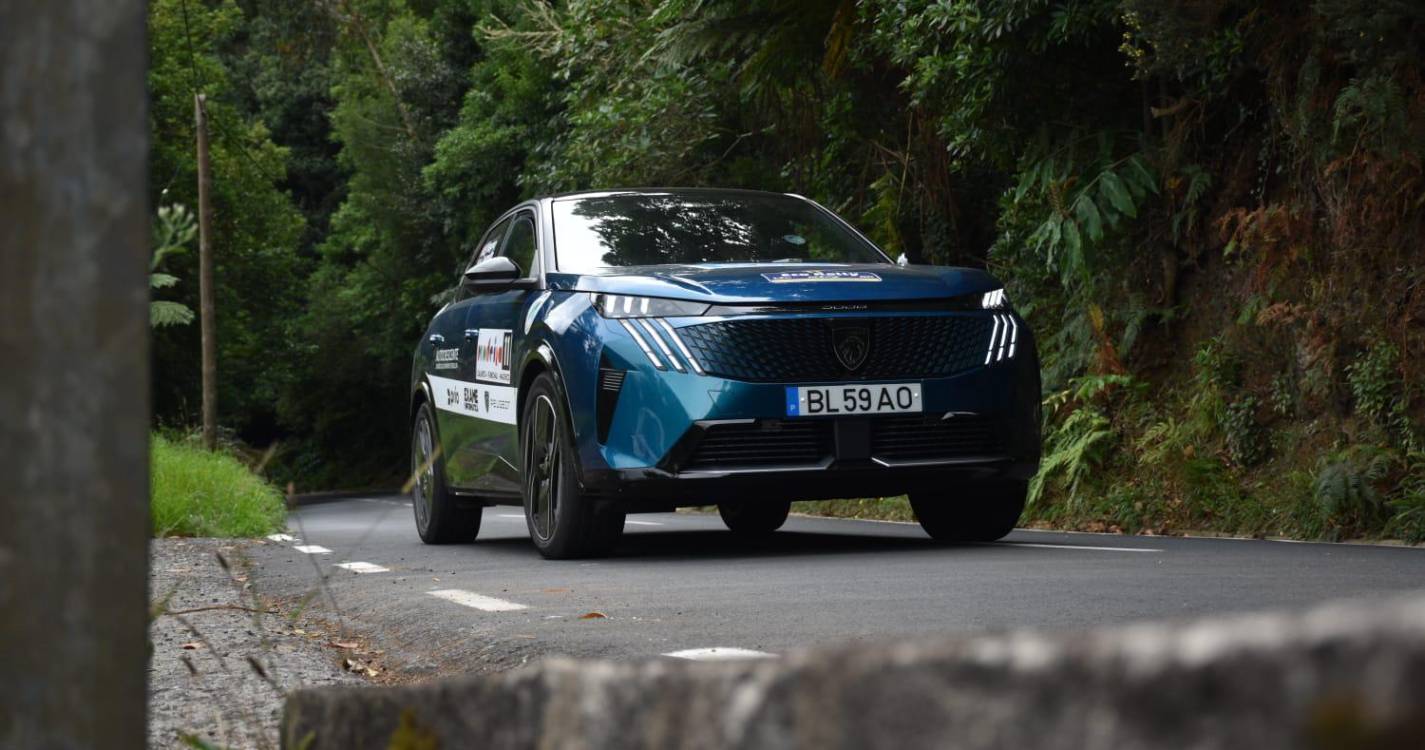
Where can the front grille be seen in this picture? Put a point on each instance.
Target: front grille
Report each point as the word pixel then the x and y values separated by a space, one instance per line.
pixel 774 443
pixel 920 437
pixel 893 438
pixel 800 349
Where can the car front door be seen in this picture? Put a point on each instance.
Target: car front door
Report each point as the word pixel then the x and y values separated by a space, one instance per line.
pixel 484 458
pixel 451 372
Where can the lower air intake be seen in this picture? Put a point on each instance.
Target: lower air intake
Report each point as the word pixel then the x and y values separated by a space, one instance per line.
pixel 773 443
pixel 920 437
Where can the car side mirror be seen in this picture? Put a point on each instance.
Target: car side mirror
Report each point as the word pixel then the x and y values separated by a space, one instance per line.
pixel 902 260
pixel 491 272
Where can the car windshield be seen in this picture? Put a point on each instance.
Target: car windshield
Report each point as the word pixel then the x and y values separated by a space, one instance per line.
pixel 651 229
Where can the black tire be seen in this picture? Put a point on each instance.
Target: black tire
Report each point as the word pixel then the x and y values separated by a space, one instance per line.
pixel 563 522
pixel 982 512
pixel 754 517
pixel 439 517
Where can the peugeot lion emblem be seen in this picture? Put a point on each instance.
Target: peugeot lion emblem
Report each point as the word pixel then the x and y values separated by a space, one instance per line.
pixel 851 345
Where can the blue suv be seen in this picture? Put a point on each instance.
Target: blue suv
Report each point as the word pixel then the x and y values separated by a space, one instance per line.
pixel 632 351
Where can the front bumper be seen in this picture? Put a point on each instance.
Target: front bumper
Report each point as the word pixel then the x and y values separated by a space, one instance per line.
pixel 676 438
pixel 824 458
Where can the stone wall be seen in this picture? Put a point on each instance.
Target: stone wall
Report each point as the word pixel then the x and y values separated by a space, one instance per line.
pixel 1347 675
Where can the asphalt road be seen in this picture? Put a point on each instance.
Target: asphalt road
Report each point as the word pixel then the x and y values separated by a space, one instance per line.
pixel 682 583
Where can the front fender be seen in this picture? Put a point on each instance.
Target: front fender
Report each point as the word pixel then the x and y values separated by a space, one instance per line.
pixel 563 343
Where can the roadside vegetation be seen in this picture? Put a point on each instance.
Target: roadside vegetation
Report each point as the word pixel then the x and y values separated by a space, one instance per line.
pixel 200 493
pixel 1210 212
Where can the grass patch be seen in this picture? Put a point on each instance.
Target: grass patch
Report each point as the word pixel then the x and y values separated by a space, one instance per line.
pixel 873 508
pixel 198 493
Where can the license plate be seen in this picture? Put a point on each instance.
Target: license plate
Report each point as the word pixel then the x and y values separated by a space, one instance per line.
pixel 829 400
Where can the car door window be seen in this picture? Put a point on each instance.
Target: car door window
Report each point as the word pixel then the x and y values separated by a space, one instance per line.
pixel 520 245
pixel 489 245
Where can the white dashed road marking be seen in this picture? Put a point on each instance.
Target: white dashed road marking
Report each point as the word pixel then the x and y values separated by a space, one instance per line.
pixel 312 549
pixel 642 523
pixel 716 653
pixel 363 567
pixel 476 601
pixel 281 538
pixel 383 502
pixel 1078 546
pixel 512 515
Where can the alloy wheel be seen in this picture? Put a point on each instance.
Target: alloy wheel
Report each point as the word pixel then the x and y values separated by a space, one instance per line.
pixel 422 451
pixel 542 460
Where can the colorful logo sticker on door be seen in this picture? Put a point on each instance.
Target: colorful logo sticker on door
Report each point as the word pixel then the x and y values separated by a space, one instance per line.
pixel 492 355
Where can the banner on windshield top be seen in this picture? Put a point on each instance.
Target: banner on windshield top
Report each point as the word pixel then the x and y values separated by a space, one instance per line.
pixel 793 277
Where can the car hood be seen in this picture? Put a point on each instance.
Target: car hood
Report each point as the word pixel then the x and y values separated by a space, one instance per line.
pixel 782 282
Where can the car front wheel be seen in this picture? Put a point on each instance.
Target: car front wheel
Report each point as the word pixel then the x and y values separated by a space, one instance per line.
pixel 563 522
pixel 439 517
pixel 981 512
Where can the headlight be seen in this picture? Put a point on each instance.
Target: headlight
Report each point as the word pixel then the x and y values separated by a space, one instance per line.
pixel 994 300
pixel 629 306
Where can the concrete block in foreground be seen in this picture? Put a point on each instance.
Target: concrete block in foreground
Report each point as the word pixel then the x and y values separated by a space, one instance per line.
pixel 1347 675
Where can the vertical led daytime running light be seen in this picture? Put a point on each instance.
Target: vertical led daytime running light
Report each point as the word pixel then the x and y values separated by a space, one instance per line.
pixel 647 351
pixel 678 342
pixel 653 333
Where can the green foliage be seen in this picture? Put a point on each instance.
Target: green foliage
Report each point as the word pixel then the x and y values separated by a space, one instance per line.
pixel 1086 205
pixel 173 230
pixel 1409 501
pixel 195 492
pixel 1078 435
pixel 1284 395
pixel 1345 488
pixel 1247 442
pixel 1216 366
pixel 1381 394
pixel 1164 442
pixel 256 229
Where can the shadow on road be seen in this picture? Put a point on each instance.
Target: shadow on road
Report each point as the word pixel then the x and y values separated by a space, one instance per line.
pixel 702 545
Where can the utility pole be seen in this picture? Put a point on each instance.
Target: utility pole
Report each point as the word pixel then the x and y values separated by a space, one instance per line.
pixel 74 391
pixel 206 322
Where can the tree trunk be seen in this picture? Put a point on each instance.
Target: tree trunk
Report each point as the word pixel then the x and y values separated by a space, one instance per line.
pixel 207 319
pixel 74 392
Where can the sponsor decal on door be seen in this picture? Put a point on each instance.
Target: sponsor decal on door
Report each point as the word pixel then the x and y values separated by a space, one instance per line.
pixel 492 355
pixel 447 359
pixel 495 403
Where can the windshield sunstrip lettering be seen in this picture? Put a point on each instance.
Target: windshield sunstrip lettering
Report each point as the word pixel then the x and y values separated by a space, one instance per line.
pixel 495 403
pixel 796 277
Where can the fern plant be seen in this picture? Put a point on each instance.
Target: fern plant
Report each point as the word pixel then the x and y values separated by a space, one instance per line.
pixel 172 232
pixel 1345 488
pixel 1078 434
pixel 1409 504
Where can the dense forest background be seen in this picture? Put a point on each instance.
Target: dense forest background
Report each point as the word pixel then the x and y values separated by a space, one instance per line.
pixel 1211 211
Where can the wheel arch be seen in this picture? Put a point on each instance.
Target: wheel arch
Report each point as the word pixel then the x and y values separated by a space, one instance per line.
pixel 541 359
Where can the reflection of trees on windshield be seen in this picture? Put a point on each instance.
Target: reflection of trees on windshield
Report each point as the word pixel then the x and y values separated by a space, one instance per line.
pixel 673 229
